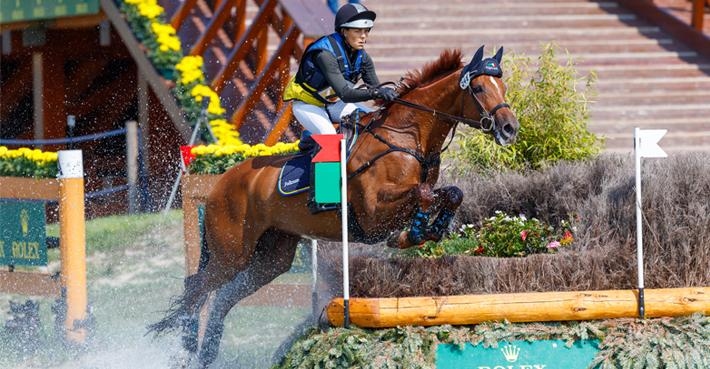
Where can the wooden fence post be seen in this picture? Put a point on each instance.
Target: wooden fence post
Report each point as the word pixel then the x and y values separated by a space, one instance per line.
pixel 73 243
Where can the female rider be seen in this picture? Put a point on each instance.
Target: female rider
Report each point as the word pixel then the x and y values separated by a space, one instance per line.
pixel 336 62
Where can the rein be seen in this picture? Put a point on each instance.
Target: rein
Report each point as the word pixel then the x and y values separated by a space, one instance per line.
pixel 454 118
pixel 485 124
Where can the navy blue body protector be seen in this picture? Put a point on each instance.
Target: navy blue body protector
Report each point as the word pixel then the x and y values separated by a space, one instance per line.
pixel 311 77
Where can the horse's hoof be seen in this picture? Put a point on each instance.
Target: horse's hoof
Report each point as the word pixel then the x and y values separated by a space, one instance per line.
pixel 399 240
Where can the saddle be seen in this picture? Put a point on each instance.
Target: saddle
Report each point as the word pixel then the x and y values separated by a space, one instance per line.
pixel 295 175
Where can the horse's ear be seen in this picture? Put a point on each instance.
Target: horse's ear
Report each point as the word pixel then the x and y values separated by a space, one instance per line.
pixel 499 55
pixel 478 56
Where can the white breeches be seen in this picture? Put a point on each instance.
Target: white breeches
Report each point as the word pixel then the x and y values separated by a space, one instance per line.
pixel 316 120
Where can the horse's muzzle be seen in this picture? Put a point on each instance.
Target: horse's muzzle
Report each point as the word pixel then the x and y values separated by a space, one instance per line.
pixel 506 133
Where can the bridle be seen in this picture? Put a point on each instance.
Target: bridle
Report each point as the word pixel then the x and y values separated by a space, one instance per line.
pixel 487 117
pixel 485 124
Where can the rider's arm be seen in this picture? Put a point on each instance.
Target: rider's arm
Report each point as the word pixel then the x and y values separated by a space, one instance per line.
pixel 345 90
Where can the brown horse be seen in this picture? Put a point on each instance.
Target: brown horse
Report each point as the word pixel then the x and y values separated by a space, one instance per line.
pixel 252 231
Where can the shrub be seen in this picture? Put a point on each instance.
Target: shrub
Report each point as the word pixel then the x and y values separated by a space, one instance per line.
pixel 553 116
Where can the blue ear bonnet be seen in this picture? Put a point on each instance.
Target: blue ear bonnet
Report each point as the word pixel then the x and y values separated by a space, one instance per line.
pixel 479 66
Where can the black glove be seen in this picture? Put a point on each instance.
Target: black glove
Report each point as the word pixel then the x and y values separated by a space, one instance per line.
pixel 384 93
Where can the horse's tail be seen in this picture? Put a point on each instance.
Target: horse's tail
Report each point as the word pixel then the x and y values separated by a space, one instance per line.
pixel 182 307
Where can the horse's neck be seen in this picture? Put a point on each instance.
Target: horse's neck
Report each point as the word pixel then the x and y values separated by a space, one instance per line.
pixel 427 130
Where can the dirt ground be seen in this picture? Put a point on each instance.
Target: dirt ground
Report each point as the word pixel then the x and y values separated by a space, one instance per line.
pixel 129 288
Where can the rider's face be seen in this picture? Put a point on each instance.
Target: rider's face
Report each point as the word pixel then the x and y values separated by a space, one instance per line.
pixel 356 37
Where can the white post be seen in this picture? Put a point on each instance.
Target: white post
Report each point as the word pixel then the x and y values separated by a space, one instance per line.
pixel 176 184
pixel 132 165
pixel 645 146
pixel 344 224
pixel 314 284
pixel 639 223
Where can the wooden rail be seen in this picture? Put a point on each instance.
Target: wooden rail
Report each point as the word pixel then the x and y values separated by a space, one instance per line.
pixel 519 307
pixel 239 54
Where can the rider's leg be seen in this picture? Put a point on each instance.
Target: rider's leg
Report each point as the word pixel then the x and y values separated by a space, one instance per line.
pixel 339 109
pixel 314 120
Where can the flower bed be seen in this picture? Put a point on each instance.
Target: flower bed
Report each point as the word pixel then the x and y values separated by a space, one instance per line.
pixel 501 236
pixel 25 162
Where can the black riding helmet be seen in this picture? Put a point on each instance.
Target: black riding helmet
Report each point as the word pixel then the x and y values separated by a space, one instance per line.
pixel 354 16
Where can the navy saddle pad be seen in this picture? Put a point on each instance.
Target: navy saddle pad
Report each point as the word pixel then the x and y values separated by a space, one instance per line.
pixel 295 175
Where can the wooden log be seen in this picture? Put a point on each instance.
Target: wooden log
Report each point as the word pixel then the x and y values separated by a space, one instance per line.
pixel 518 307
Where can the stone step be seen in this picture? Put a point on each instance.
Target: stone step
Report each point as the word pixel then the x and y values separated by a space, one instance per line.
pixel 523 21
pixel 653 97
pixel 666 111
pixel 532 50
pixel 688 124
pixel 645 78
pixel 672 142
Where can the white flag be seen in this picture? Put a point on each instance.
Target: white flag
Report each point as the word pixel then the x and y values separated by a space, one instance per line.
pixel 647 143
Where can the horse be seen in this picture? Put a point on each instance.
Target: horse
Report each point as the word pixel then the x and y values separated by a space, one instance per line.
pixel 251 231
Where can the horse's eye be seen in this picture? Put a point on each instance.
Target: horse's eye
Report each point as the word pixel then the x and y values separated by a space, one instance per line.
pixel 477 89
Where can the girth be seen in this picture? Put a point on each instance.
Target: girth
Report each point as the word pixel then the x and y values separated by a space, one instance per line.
pixel 426 162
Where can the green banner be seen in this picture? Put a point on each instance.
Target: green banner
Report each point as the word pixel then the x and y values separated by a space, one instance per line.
pixel 27 10
pixel 546 354
pixel 327 182
pixel 22 232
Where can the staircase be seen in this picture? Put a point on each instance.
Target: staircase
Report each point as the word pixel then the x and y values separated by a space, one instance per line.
pixel 646 77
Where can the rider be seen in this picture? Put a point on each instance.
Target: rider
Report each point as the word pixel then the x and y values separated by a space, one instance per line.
pixel 336 62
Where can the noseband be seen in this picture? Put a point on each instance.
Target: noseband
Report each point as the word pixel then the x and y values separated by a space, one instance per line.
pixel 487 121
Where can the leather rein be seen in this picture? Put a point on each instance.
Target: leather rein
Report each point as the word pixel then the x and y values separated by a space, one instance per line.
pixel 485 124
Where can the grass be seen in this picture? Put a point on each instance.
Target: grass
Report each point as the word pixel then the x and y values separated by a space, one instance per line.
pixel 115 232
pixel 135 264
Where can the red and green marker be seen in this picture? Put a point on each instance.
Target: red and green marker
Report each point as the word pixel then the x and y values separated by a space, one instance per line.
pixel 326 166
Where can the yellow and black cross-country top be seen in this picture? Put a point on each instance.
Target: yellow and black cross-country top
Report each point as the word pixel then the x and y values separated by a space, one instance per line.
pixel 338 68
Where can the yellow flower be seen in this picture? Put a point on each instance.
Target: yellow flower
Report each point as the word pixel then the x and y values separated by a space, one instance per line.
pixel 190 68
pixel 200 91
pixel 150 11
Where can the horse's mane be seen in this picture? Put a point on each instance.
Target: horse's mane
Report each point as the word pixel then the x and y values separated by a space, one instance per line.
pixel 449 61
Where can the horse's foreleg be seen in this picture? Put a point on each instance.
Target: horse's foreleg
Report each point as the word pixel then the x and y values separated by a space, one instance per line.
pixel 448 199
pixel 417 232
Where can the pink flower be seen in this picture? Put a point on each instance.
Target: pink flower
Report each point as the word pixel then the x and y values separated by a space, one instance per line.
pixel 553 245
pixel 523 234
